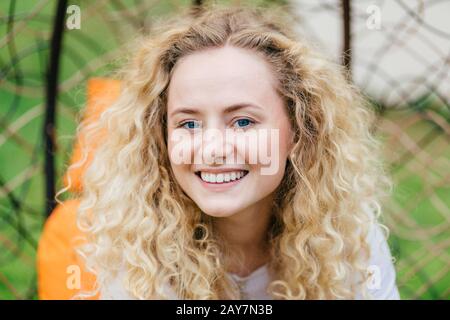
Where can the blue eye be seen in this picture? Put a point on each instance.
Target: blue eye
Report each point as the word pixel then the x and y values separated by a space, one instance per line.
pixel 190 125
pixel 241 123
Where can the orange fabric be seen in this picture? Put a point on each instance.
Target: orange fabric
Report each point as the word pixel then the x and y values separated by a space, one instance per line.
pixel 101 93
pixel 61 273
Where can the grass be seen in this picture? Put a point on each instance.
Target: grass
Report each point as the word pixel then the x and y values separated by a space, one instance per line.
pixel 25 63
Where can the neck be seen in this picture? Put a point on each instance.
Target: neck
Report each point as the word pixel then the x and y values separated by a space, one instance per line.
pixel 245 235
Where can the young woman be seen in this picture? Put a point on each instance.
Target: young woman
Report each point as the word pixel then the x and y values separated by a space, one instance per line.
pixel 238 164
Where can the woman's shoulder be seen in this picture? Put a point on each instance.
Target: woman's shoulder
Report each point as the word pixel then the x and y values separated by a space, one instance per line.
pixel 381 284
pixel 115 289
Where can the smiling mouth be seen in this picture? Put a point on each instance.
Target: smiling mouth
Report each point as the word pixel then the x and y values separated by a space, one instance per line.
pixel 223 177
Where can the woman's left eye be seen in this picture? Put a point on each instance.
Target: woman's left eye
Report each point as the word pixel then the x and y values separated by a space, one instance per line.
pixel 242 123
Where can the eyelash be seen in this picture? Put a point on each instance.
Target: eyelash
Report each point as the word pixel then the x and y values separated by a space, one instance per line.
pixel 182 124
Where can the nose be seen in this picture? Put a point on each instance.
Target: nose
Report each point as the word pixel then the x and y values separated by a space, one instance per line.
pixel 216 146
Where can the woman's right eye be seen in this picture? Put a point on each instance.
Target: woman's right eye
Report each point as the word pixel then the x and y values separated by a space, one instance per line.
pixel 191 124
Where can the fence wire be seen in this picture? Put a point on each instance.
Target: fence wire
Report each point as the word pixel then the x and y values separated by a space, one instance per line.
pixel 402 64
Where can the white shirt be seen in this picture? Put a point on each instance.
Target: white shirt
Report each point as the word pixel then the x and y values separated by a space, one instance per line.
pixel 383 286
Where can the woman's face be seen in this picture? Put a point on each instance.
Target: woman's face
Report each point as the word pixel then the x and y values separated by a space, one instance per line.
pixel 228 131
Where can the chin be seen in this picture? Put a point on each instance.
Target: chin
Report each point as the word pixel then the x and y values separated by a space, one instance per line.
pixel 218 211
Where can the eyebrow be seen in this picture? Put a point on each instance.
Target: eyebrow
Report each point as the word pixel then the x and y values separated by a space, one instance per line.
pixel 229 109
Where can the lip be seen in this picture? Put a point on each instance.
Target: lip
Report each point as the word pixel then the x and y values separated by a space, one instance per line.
pixel 220 170
pixel 222 186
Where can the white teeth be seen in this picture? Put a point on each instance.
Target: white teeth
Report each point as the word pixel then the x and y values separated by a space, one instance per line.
pixel 221 177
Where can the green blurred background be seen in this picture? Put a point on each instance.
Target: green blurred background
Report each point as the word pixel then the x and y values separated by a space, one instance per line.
pixel 415 131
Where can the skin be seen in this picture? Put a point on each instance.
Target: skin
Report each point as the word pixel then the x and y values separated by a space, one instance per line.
pixel 202 88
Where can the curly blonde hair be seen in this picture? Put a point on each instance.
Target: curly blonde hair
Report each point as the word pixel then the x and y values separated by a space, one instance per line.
pixel 137 217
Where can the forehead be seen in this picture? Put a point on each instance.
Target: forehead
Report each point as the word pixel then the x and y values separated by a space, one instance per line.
pixel 220 77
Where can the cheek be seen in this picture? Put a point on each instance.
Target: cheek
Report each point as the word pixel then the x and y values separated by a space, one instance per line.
pixel 282 141
pixel 285 144
pixel 265 150
pixel 179 147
